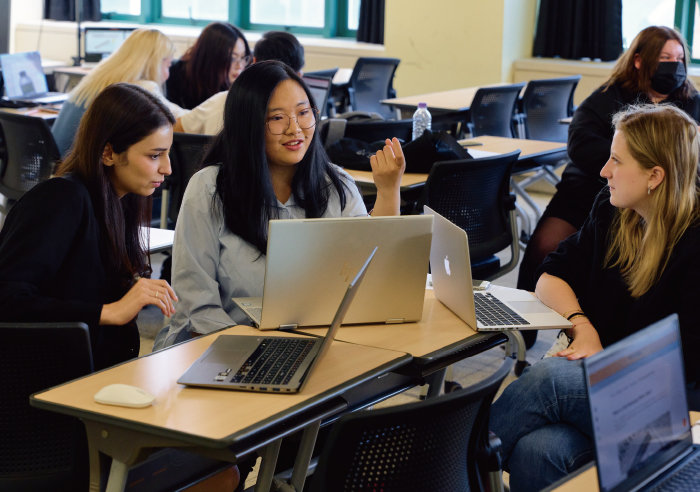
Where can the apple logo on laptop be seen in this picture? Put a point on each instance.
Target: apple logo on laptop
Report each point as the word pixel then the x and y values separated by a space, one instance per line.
pixel 447 265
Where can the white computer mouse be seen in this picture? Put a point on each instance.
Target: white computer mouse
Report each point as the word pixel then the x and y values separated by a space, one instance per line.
pixel 124 395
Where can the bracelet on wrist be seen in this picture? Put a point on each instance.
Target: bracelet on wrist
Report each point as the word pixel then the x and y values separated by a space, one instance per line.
pixel 575 314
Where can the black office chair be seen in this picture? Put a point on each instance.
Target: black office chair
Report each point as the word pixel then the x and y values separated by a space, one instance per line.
pixel 329 73
pixel 452 122
pixel 186 156
pixel 492 110
pixel 544 103
pixel 439 444
pixel 28 154
pixel 370 82
pixel 41 450
pixel 474 194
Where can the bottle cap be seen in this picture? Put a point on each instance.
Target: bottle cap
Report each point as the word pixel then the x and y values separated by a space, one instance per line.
pixel 422 105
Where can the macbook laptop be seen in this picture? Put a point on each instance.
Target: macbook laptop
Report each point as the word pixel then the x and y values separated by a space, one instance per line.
pixel 641 427
pixel 497 308
pixel 274 364
pixel 309 262
pixel 25 79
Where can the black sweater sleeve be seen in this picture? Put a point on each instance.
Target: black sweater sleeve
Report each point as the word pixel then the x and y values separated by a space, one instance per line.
pixel 39 242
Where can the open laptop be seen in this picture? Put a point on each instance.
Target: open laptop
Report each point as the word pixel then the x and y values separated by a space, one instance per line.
pixel 309 262
pixel 273 364
pixel 100 42
pixel 639 410
pixel 320 88
pixel 497 308
pixel 25 80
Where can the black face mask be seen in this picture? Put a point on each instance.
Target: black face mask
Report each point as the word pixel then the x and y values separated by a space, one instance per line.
pixel 668 77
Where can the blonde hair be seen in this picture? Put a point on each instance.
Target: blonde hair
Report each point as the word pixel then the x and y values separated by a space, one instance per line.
pixel 657 135
pixel 140 57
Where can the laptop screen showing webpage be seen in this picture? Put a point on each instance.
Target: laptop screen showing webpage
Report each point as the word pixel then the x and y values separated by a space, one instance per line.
pixel 638 404
pixel 23 75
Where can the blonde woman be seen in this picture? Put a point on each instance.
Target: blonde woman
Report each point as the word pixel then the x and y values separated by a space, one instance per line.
pixel 143 59
pixel 634 261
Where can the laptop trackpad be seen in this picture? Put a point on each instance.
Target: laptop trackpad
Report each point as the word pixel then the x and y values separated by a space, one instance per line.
pixel 529 307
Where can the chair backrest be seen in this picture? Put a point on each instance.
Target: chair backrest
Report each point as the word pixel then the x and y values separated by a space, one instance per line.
pixel 186 156
pixel 370 82
pixel 379 130
pixel 475 195
pixel 426 446
pixel 544 103
pixel 41 450
pixel 28 153
pixel 452 122
pixel 492 110
pixel 320 88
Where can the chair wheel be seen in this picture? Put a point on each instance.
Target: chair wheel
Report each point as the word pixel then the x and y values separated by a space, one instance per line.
pixel 520 367
pixel 451 386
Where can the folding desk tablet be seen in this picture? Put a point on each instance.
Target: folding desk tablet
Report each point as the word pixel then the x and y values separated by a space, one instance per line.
pixel 222 424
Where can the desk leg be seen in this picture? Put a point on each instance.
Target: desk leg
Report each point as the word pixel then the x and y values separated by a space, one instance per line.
pixel 267 466
pixel 117 476
pixel 306 449
pixel 435 382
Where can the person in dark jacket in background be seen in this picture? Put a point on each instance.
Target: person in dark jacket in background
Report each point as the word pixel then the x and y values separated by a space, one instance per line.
pixel 219 55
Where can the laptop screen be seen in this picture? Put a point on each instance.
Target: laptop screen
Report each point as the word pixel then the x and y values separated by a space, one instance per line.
pixel 638 405
pixel 103 41
pixel 23 74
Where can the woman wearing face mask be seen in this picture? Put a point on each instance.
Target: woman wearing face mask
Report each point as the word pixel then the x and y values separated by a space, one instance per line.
pixel 652 70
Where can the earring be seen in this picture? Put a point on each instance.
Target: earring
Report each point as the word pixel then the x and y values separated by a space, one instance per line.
pixel 649 190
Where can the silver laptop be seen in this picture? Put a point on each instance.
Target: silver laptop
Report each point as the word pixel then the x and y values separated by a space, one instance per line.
pixel 309 262
pixel 639 411
pixel 25 80
pixel 495 309
pixel 272 364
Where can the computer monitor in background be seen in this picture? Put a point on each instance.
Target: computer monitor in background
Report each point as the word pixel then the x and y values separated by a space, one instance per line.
pixel 101 42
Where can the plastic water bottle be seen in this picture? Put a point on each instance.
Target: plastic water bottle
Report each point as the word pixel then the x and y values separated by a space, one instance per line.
pixel 421 120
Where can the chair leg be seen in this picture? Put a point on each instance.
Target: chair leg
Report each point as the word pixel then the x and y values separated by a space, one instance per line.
pixel 516 347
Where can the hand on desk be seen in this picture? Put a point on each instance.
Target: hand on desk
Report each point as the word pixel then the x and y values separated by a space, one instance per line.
pixel 144 292
pixel 388 166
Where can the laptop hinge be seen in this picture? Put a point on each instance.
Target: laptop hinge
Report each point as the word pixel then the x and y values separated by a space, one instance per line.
pixel 392 321
pixel 292 326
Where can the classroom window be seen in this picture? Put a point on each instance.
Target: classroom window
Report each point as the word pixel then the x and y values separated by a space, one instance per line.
pixel 684 15
pixel 329 18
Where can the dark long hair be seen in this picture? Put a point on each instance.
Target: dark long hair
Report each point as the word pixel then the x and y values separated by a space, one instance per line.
pixel 209 61
pixel 121 115
pixel 648 45
pixel 243 184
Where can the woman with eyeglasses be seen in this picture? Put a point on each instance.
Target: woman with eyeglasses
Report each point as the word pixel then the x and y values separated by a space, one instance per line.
pixel 270 164
pixel 219 55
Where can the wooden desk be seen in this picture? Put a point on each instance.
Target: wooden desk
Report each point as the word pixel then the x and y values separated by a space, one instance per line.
pixel 219 423
pixel 529 149
pixel 159 239
pixel 48 113
pixel 438 102
pixel 586 479
pixel 436 341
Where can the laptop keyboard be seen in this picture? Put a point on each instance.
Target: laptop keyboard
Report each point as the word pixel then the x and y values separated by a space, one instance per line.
pixel 492 312
pixel 275 361
pixel 684 478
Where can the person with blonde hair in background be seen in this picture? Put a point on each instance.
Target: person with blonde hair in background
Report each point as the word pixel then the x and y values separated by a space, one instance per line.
pixel 634 262
pixel 143 59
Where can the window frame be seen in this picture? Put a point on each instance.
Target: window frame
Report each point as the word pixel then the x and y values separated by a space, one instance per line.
pixel 335 24
pixel 684 22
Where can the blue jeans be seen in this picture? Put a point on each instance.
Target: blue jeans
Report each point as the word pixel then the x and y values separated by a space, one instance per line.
pixel 544 423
